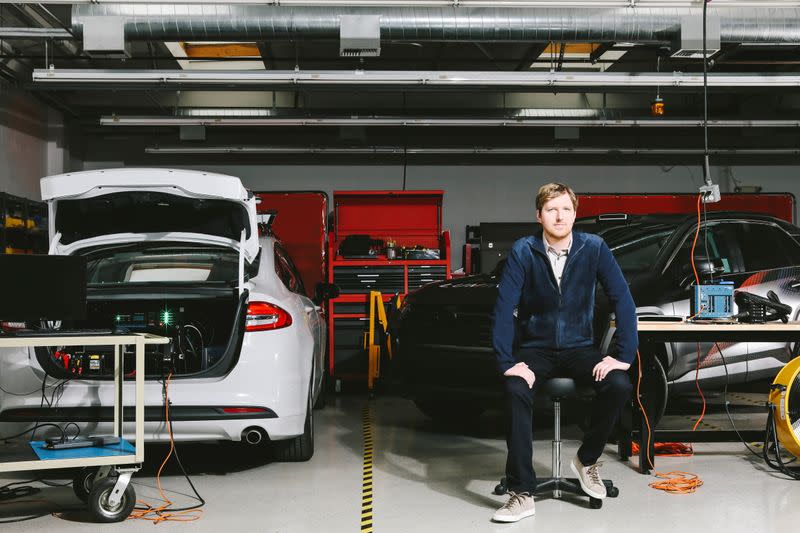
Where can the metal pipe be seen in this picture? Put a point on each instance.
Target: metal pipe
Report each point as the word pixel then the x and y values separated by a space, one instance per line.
pixel 214 22
pixel 253 436
pixel 556 446
pixel 475 150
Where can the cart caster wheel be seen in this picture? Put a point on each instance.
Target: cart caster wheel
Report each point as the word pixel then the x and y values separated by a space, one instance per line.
pixel 82 482
pixel 102 510
pixel 501 487
pixel 595 503
pixel 612 492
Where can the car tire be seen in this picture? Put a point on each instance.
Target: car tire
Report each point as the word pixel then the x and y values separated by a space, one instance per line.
pixel 300 448
pixel 322 399
pixel 446 411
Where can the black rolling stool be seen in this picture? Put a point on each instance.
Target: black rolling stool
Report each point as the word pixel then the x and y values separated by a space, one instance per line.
pixel 558 389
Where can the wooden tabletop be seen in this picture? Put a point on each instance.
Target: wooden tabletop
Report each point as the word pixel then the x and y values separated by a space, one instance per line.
pixel 704 326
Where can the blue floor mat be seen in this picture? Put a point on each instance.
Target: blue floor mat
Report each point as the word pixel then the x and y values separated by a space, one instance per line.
pixel 122 448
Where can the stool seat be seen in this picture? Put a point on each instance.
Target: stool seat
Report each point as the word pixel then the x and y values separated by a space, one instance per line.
pixel 560 388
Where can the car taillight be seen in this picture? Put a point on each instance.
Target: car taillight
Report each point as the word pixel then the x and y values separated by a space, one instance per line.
pixel 263 316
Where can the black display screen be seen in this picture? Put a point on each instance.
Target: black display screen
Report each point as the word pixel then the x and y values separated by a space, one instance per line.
pixel 42 287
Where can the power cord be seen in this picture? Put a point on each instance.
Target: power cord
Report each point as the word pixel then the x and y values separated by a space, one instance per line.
pixel 165 512
pixel 726 403
pixel 771 441
pixel 672 482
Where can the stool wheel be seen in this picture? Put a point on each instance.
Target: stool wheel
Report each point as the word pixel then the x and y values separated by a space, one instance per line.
pixel 501 487
pixel 595 503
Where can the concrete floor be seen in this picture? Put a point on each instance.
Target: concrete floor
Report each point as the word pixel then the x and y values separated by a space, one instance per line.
pixel 428 479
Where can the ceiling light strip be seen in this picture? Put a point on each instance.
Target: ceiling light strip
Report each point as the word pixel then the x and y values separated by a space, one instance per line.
pixel 113 120
pixel 421 79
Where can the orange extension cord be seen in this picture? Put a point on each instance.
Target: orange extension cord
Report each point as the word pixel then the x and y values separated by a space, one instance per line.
pixel 676 482
pixel 162 512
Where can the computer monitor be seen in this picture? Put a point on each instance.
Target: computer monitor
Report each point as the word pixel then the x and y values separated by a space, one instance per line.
pixel 42 287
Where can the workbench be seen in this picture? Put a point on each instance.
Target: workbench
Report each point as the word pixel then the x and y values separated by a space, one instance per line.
pixel 664 332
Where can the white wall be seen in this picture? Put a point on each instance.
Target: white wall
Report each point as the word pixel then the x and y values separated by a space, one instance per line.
pixel 488 193
pixel 32 143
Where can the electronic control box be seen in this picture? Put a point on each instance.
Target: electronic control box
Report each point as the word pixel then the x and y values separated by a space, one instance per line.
pixel 713 301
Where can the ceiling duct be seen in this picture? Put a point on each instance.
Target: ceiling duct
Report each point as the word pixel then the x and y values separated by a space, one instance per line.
pixel 231 22
pixel 691 41
pixel 360 36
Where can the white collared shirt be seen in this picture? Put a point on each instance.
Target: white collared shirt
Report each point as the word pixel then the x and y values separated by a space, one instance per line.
pixel 557 258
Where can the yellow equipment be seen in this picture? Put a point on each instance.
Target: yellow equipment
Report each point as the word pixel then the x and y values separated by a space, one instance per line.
pixel 784 400
pixel 377 336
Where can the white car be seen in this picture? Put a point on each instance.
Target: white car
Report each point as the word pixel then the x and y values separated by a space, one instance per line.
pixel 177 253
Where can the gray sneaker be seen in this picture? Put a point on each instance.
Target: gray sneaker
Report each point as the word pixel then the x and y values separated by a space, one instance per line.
pixel 589 478
pixel 518 506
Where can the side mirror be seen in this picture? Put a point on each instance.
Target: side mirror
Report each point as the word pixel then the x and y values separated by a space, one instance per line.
pixel 325 291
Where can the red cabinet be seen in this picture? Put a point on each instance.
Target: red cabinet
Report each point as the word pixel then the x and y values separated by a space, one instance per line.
pixel 408 218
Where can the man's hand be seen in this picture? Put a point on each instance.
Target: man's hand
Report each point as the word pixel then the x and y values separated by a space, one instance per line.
pixel 521 370
pixel 605 366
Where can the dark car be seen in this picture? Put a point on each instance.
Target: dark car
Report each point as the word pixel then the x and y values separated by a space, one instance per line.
pixel 443 331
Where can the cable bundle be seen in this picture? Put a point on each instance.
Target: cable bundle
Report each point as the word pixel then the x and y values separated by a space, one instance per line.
pixel 668 449
pixel 677 482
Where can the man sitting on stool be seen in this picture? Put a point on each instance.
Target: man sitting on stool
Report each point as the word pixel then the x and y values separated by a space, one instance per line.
pixel 548 284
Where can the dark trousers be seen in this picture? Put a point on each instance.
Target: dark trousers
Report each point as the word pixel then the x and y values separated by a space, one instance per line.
pixel 612 392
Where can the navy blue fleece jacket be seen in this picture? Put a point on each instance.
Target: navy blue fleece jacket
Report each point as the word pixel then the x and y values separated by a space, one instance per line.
pixel 549 317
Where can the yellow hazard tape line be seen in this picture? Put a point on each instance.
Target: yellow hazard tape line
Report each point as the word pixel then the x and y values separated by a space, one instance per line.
pixel 366 476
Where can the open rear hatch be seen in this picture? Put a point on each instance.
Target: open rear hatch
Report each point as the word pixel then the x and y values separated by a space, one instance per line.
pixel 168 252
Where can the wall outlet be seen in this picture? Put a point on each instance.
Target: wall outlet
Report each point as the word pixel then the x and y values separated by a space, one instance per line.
pixel 710 194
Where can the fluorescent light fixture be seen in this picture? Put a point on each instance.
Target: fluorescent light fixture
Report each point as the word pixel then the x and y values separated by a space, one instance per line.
pixel 222 79
pixel 469 3
pixel 34 33
pixel 482 150
pixel 441 122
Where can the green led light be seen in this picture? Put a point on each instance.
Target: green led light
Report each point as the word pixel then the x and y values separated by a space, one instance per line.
pixel 166 317
pixel 119 318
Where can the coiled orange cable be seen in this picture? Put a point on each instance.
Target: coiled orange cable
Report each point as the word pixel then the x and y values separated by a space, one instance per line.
pixel 672 482
pixel 162 513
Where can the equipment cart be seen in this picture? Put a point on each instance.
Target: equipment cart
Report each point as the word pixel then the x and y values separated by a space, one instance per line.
pixel 104 479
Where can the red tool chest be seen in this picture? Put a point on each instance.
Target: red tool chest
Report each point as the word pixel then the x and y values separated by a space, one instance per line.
pixel 409 218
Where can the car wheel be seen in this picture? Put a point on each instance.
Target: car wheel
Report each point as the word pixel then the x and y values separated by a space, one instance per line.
pixel 449 411
pixel 299 448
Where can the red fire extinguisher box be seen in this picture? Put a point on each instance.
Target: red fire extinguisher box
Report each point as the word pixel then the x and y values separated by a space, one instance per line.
pixel 363 223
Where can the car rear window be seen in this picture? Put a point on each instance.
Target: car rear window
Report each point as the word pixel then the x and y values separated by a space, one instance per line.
pixel 161 265
pixel 149 212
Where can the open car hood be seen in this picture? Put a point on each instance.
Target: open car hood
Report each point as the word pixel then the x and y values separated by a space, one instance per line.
pixel 100 207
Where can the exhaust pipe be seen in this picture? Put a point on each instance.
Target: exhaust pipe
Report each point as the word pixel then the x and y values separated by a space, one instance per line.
pixel 253 436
